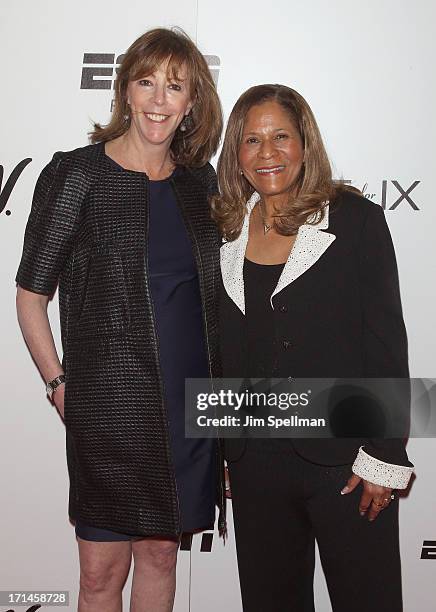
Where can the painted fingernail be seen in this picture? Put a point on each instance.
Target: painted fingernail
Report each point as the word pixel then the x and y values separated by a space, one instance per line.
pixel 362 513
pixel 345 490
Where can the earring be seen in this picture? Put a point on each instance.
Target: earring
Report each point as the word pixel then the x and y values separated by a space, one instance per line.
pixel 241 172
pixel 126 115
pixel 186 124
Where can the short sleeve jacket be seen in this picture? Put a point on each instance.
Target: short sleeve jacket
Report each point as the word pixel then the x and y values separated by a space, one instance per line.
pixel 88 231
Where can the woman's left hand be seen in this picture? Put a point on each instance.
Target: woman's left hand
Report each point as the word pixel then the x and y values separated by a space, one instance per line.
pixel 227 483
pixel 374 497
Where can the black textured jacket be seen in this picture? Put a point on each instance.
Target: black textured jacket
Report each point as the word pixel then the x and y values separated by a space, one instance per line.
pixel 88 230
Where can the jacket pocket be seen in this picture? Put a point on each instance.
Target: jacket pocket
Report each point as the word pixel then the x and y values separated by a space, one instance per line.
pixel 104 310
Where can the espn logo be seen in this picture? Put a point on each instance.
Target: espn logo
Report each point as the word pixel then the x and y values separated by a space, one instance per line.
pixel 99 70
pixel 428 549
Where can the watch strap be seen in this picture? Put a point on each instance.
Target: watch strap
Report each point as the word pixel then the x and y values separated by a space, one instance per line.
pixel 52 385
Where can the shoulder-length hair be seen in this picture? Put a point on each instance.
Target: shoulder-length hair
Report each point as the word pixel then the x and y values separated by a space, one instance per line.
pixel 195 146
pixel 313 187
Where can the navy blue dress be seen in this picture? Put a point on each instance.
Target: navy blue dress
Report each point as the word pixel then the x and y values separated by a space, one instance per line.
pixel 182 349
pixel 173 280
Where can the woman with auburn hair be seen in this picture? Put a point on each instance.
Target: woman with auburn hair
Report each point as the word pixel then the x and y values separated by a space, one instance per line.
pixel 310 290
pixel 124 226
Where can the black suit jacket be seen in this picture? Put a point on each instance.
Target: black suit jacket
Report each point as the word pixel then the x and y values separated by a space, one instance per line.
pixel 337 313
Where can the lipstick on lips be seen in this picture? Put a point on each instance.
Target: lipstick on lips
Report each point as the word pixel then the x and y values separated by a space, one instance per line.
pixel 267 170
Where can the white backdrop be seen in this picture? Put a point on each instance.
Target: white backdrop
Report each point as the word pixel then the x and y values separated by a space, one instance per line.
pixel 366 69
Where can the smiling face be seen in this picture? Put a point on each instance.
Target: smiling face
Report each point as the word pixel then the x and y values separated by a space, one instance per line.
pixel 271 151
pixel 158 104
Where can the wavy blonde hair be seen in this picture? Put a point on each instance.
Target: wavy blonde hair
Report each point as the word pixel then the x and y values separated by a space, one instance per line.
pixel 195 146
pixel 313 187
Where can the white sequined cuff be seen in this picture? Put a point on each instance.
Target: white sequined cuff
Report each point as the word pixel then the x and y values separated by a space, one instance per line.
pixel 381 473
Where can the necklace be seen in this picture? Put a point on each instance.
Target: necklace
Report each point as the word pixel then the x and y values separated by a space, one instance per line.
pixel 266 226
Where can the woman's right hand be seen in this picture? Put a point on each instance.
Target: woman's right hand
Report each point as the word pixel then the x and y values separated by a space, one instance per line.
pixel 35 325
pixel 59 398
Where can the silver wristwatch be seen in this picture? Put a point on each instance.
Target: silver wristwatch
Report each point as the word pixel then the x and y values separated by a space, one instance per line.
pixel 54 384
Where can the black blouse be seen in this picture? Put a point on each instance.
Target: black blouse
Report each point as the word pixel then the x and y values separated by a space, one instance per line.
pixel 259 335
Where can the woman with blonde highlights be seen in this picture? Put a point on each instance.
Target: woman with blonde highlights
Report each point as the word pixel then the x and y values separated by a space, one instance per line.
pixel 310 290
pixel 313 185
pixel 124 226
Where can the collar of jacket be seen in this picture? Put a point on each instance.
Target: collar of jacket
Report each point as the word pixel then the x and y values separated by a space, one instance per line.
pixel 311 242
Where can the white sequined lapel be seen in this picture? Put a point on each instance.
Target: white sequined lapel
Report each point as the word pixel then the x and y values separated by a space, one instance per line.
pixel 309 245
pixel 232 255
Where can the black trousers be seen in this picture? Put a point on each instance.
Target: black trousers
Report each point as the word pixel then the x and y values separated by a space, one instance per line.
pixel 281 504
